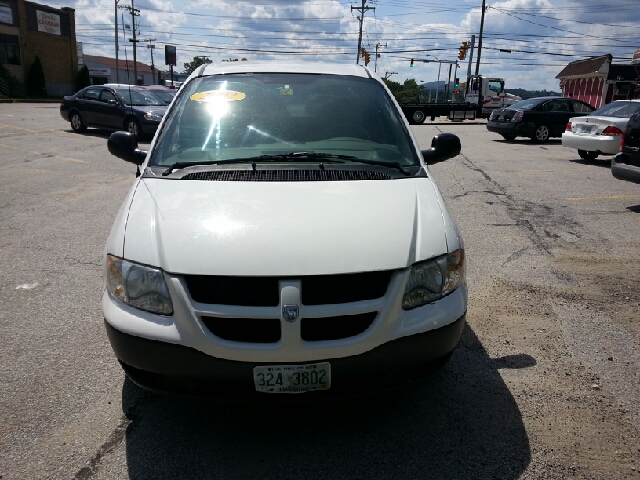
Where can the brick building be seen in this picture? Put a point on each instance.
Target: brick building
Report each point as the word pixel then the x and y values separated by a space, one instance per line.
pixel 28 29
pixel 105 70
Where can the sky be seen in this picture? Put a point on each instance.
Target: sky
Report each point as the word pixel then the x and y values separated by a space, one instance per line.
pixel 526 42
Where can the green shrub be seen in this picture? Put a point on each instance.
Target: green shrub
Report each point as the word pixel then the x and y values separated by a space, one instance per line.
pixel 35 83
pixel 83 79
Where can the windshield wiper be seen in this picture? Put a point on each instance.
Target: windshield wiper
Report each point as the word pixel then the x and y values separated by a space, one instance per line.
pixel 380 163
pixel 297 156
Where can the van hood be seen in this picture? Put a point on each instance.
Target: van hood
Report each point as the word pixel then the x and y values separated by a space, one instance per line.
pixel 283 228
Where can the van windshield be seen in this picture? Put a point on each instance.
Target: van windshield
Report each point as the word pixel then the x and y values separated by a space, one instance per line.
pixel 233 116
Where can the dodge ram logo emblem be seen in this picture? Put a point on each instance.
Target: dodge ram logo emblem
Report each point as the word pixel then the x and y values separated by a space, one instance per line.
pixel 290 313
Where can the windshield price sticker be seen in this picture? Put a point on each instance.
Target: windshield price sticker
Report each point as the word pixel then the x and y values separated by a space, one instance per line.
pixel 217 96
pixel 292 378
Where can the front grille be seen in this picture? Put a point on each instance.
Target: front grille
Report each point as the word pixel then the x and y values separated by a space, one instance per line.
pixel 251 330
pixel 285 175
pixel 335 328
pixel 243 291
pixel 264 291
pixel 351 287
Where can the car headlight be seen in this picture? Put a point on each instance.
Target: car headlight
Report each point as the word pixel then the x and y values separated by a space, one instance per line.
pixel 139 286
pixel 152 117
pixel 433 279
pixel 492 116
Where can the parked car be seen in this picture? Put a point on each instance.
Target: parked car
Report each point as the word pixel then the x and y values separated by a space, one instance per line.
pixel 537 118
pixel 626 164
pixel 601 131
pixel 284 236
pixel 165 93
pixel 114 107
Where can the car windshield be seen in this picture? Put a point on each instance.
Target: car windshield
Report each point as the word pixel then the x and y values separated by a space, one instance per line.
pixel 246 116
pixel 138 97
pixel 619 108
pixel 165 95
pixel 527 104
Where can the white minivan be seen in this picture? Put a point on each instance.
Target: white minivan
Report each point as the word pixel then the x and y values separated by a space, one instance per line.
pixel 283 235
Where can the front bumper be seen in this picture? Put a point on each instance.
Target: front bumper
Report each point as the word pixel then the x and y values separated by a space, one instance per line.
pixel 148 128
pixel 608 145
pixel 626 167
pixel 170 368
pixel 518 129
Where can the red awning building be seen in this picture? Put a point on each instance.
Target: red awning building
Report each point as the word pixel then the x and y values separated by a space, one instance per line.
pixel 598 81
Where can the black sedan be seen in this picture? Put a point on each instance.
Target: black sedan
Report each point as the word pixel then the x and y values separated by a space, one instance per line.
pixel 120 107
pixel 626 164
pixel 537 118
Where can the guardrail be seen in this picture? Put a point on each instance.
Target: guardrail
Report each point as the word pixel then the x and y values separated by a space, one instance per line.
pixel 4 87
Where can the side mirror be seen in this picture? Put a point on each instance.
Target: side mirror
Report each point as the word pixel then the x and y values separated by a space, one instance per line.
pixel 443 147
pixel 125 146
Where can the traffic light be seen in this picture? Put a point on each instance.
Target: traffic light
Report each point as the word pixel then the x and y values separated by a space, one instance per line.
pixel 365 55
pixel 463 50
pixel 411 63
pixel 457 82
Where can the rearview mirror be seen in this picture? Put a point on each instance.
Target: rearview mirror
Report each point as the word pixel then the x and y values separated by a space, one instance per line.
pixel 125 146
pixel 443 147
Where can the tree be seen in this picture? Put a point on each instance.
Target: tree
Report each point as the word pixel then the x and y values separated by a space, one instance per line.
pixel 405 93
pixel 189 67
pixel 35 82
pixel 83 79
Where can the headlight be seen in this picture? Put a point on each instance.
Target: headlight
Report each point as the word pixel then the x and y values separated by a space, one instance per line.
pixel 491 117
pixel 139 286
pixel 433 279
pixel 152 117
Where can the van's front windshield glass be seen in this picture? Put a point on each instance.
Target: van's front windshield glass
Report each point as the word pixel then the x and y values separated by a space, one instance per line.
pixel 226 117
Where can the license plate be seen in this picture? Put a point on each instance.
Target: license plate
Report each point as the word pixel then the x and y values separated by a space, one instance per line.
pixel 292 378
pixel 585 129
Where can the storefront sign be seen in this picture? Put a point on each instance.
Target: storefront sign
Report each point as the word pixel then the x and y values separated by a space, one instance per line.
pixel 6 14
pixel 636 57
pixel 100 72
pixel 48 22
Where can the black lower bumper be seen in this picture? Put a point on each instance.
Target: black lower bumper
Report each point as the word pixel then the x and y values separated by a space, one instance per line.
pixel 626 167
pixel 168 368
pixel 517 129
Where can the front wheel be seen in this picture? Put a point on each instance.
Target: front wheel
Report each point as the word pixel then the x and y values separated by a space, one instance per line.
pixel 132 126
pixel 418 116
pixel 541 134
pixel 587 155
pixel 509 137
pixel 76 123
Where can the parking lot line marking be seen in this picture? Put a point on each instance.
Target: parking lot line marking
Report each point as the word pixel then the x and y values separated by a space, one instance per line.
pixel 607 197
pixel 19 128
pixel 550 170
pixel 67 159
pixel 20 149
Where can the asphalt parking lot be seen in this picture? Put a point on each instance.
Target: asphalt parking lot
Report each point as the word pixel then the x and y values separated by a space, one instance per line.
pixel 545 383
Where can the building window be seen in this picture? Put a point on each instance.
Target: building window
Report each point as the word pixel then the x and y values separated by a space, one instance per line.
pixel 9 50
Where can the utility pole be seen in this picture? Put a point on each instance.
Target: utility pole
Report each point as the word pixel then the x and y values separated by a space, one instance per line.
pixel 116 37
pixel 151 47
pixel 134 13
pixel 480 38
pixel 375 65
pixel 361 9
pixel 473 42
